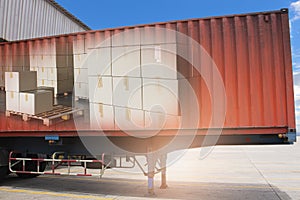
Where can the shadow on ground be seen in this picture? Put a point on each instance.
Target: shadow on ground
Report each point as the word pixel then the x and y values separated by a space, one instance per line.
pixel 137 188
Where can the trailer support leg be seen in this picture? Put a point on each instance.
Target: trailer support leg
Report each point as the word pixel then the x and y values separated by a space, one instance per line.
pixel 163 165
pixel 151 160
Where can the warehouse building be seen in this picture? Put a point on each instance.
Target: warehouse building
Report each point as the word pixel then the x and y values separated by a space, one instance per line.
pixel 25 19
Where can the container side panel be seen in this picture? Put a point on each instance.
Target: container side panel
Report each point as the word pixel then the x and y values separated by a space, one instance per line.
pixel 242 71
pixel 230 73
pixel 280 89
pixel 218 61
pixel 288 70
pixel 267 72
pixel 206 73
pixel 255 72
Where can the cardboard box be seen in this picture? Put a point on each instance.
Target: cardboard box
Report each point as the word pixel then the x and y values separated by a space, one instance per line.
pixel 128 119
pixel 49 61
pixel 42 82
pixel 79 60
pixel 98 62
pixel 81 90
pixel 42 73
pixel 51 89
pixel 33 61
pixel 13 101
pixel 41 61
pixel 101 90
pixel 165 61
pixel 20 81
pixel 101 117
pixel 36 102
pixel 161 96
pixel 34 69
pixel 126 61
pixel 127 92
pixel 81 75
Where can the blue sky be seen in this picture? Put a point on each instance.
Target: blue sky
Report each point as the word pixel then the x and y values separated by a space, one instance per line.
pixel 100 14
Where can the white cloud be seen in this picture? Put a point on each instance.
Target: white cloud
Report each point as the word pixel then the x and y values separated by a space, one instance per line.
pixel 296 75
pixel 295 6
pixel 297 93
pixel 291 29
pixel 296 68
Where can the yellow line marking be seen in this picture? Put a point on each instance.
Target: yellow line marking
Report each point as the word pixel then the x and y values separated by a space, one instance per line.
pixel 133 181
pixel 74 196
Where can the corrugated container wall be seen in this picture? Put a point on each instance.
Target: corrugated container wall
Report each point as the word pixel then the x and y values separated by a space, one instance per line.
pixel 23 19
pixel 253 55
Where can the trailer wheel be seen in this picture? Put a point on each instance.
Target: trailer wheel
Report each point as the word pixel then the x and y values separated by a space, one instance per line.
pixel 3 163
pixel 31 166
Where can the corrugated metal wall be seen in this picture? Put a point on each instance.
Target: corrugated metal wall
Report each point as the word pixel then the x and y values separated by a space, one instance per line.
pixel 253 55
pixel 24 19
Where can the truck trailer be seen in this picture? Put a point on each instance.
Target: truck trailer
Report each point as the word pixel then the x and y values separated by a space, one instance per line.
pixel 147 90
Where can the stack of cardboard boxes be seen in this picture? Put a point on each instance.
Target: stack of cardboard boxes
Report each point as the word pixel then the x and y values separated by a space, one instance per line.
pixel 143 87
pixel 53 61
pixel 80 68
pixel 92 57
pixel 22 95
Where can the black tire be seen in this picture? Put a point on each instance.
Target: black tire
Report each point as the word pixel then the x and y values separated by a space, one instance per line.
pixel 3 172
pixel 3 163
pixel 30 166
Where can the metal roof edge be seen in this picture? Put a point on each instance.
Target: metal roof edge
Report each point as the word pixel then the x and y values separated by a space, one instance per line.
pixel 68 14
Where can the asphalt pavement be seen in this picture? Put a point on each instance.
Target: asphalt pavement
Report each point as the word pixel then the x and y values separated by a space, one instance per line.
pixel 227 172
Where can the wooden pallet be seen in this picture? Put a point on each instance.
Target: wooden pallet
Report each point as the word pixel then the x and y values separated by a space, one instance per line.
pixel 59 111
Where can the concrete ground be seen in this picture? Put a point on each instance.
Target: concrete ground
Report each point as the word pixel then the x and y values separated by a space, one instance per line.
pixel 228 172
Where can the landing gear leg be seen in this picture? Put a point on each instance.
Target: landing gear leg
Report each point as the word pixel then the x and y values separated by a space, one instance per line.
pixel 151 160
pixel 163 165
